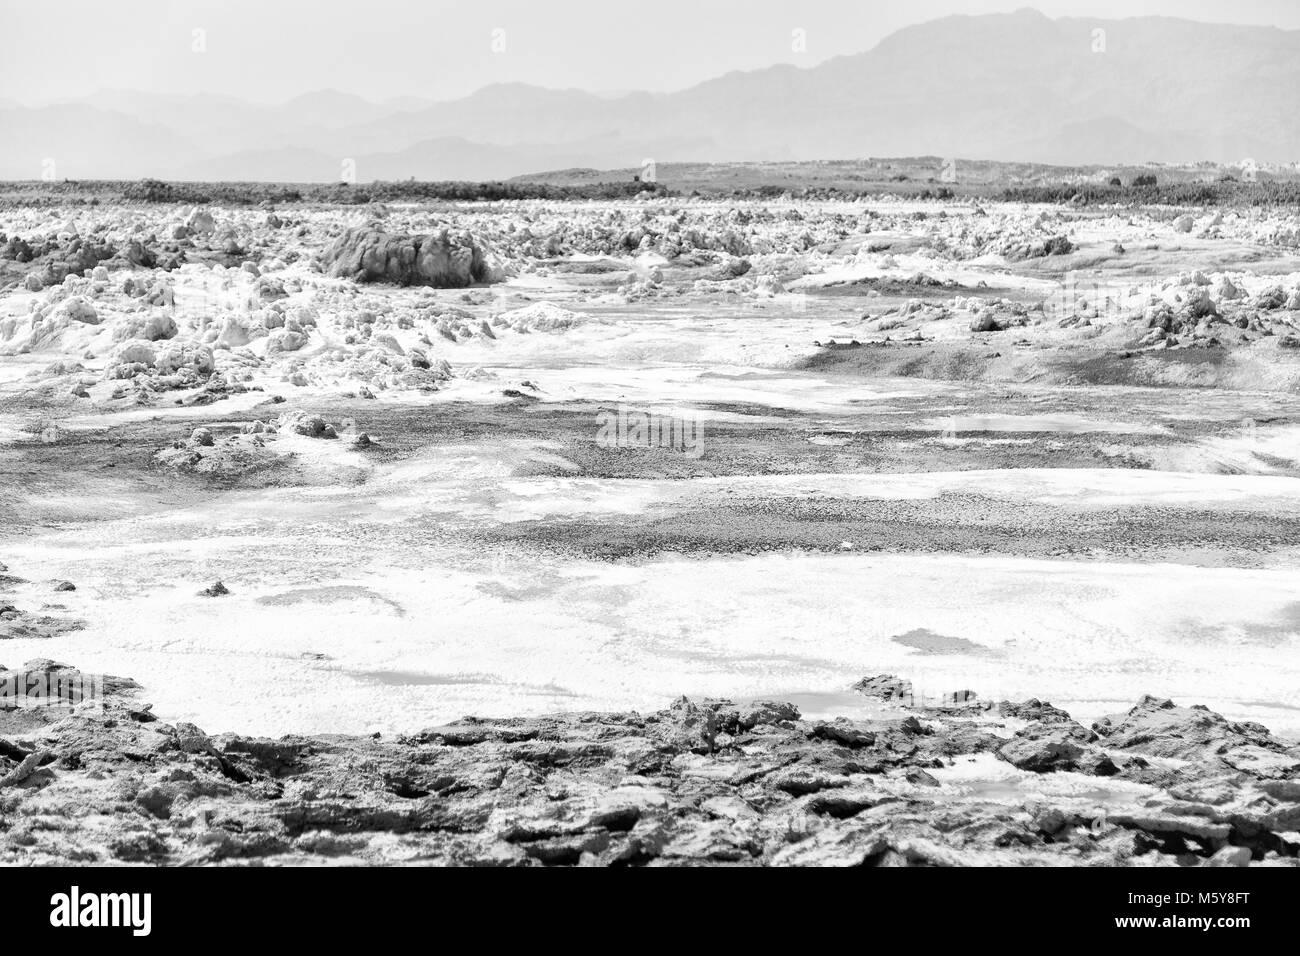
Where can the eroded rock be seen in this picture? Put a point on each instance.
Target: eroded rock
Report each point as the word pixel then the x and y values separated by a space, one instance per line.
pixel 705 781
pixel 440 260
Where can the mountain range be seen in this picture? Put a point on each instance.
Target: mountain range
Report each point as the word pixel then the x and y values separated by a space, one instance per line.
pixel 1016 86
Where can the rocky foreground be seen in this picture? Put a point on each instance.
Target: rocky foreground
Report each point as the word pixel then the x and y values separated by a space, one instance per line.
pixel 957 782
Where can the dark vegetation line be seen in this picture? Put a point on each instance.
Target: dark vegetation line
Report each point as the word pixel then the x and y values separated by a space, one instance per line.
pixel 93 192
pixel 1145 191
pixel 1142 191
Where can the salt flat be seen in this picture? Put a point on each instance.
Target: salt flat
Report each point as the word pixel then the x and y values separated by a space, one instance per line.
pixel 880 488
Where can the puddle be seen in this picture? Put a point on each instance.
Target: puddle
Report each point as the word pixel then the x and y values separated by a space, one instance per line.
pixel 927 642
pixel 330 595
pixel 1059 424
pixel 419 679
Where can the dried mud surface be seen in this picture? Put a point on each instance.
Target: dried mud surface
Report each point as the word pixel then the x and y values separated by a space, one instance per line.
pixel 956 782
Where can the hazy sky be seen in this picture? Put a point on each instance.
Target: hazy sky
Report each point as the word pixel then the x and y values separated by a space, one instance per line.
pixel 271 50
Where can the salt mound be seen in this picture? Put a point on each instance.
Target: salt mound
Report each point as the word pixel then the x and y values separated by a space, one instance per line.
pixel 285 340
pixel 200 222
pixel 79 310
pixel 153 327
pixel 133 351
pixel 179 356
pixel 542 317
pixel 234 333
pixel 368 255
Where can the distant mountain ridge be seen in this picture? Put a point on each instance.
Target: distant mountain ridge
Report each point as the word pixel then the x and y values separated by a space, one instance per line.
pixel 1016 86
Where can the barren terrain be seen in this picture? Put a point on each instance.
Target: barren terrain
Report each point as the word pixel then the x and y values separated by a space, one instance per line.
pixel 1038 452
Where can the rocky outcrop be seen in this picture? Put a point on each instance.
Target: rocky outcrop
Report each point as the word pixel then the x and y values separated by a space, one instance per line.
pixel 704 781
pixel 18 623
pixel 440 260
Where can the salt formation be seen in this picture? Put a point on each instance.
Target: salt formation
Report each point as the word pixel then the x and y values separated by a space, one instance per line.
pixel 541 317
pixel 440 260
